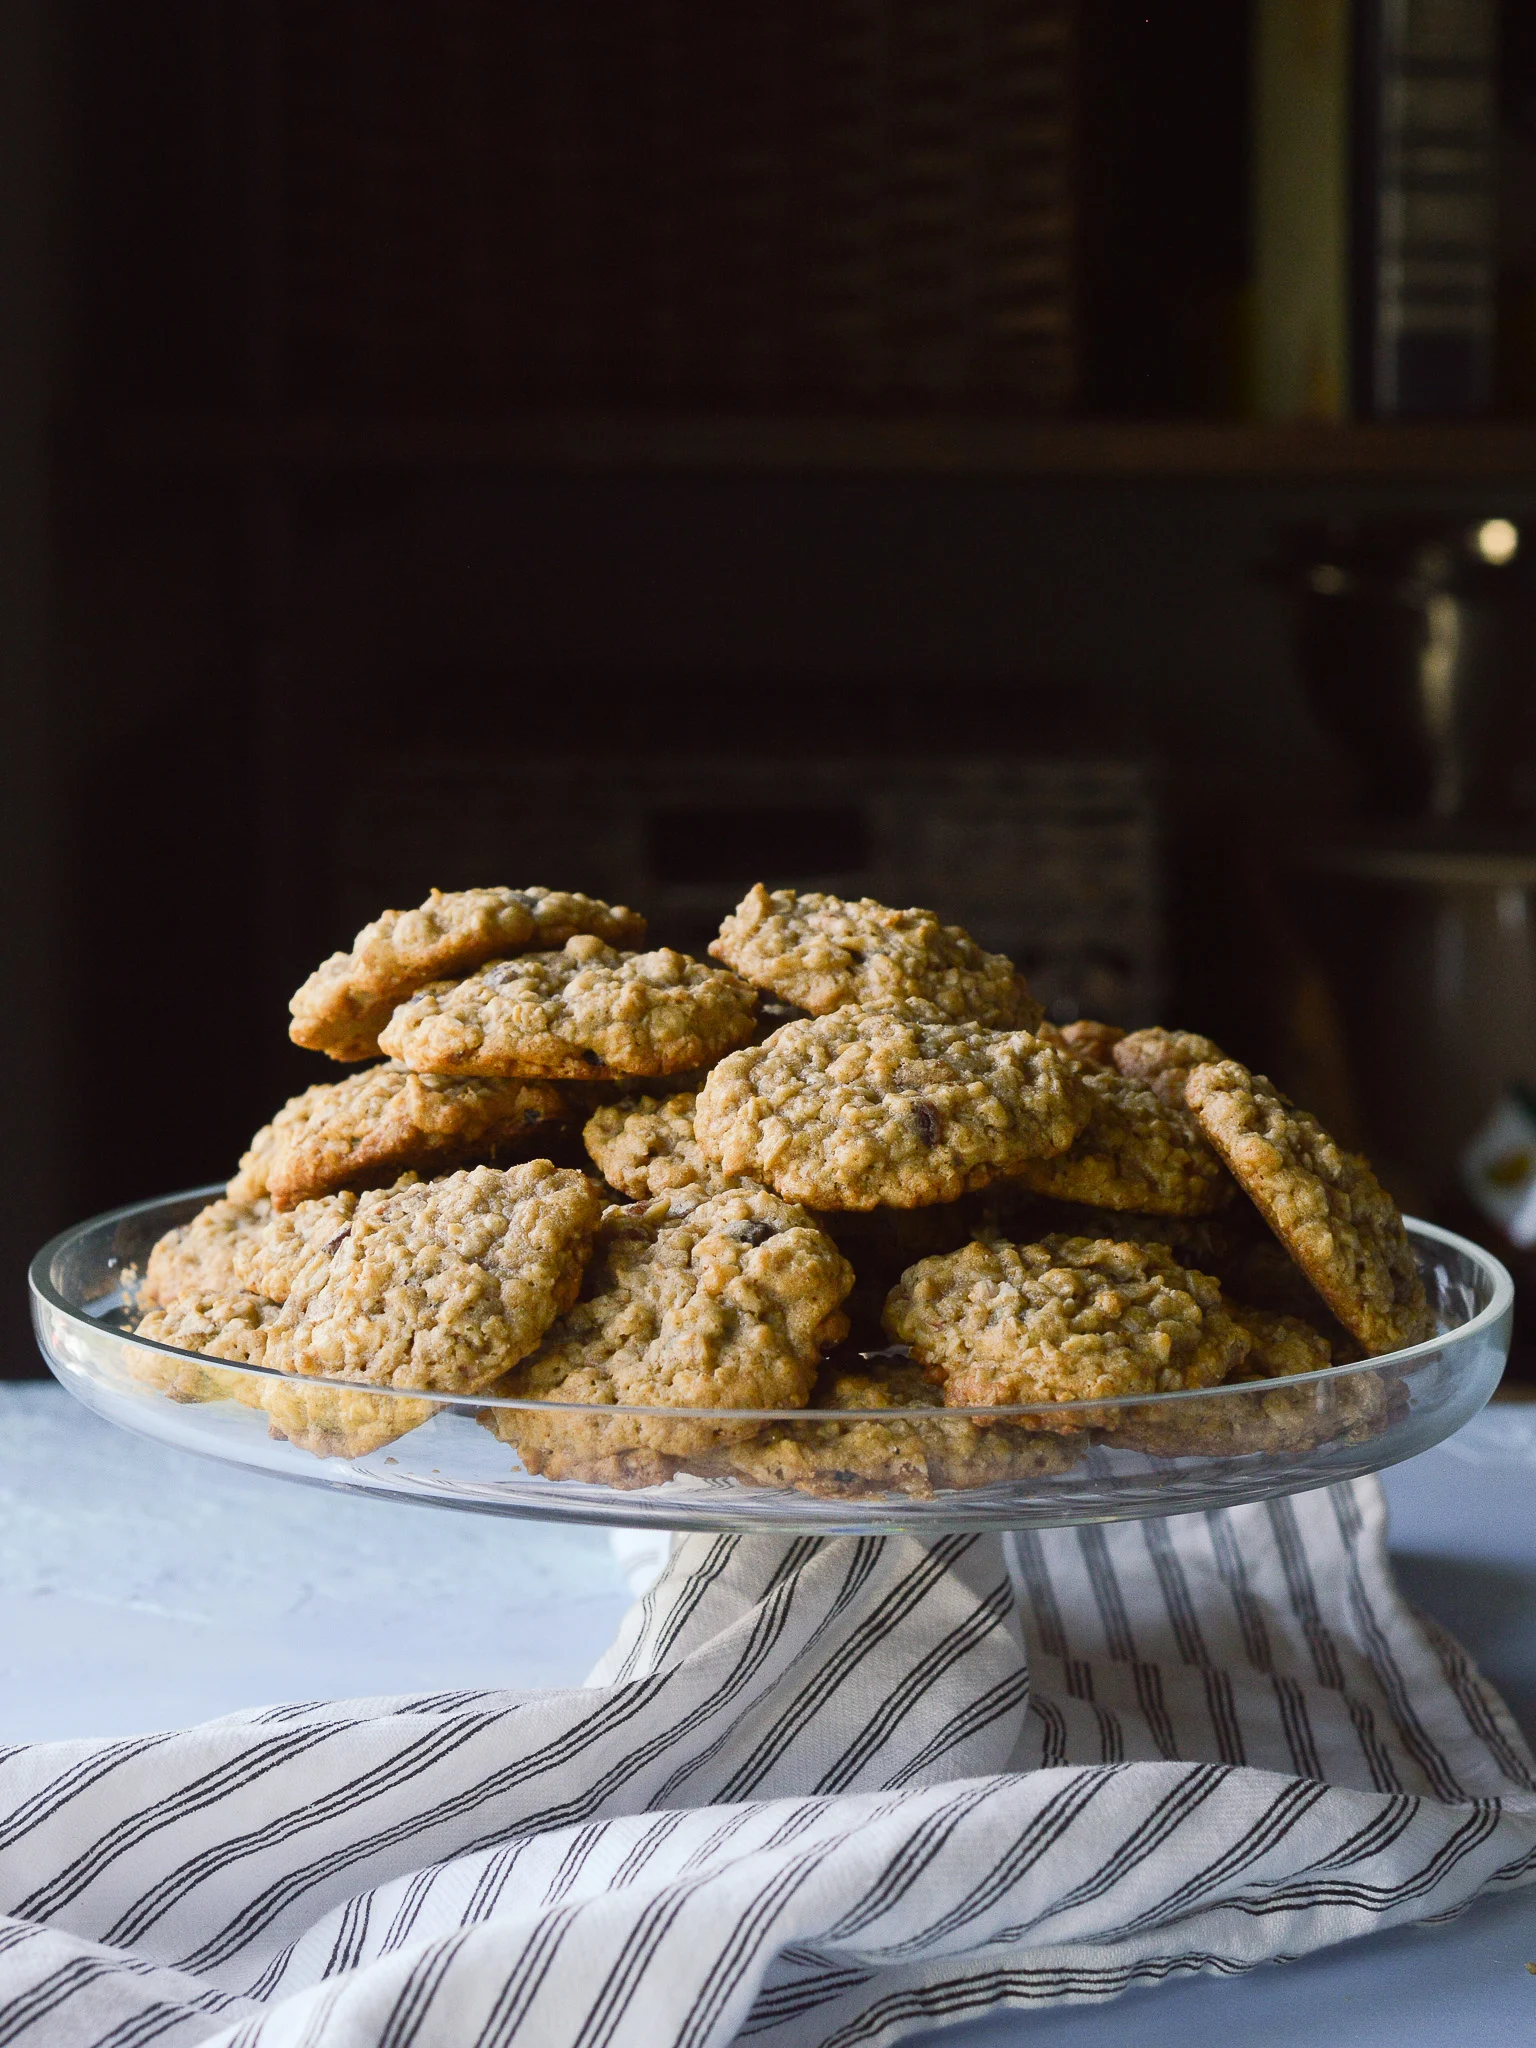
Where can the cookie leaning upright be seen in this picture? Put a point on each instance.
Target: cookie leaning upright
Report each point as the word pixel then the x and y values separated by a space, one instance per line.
pixel 822 952
pixel 349 998
pixel 899 1105
pixel 1324 1204
pixel 586 1012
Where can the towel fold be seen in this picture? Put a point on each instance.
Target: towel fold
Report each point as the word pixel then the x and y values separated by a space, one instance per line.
pixel 821 1790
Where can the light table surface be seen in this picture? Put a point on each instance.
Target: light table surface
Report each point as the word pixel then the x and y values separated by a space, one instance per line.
pixel 141 1588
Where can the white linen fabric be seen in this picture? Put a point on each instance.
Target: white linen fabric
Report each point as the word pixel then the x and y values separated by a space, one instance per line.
pixel 820 1791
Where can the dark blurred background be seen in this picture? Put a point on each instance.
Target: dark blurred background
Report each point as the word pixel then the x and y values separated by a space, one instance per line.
pixel 648 445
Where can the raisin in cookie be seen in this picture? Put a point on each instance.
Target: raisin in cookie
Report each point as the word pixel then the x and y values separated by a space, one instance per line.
pixel 645 1146
pixel 584 1012
pixel 1163 1060
pixel 729 1306
pixel 1324 1204
pixel 348 1000
pixel 1136 1152
pixel 1068 1319
pixel 207 1255
pixel 374 1125
pixel 441 1285
pixel 899 1105
pixel 820 952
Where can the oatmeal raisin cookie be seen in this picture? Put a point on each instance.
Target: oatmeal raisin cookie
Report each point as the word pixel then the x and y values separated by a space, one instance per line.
pixel 325 1421
pixel 206 1256
pixel 372 1126
pixel 349 999
pixel 644 1145
pixel 438 1286
pixel 1272 1417
pixel 899 1439
pixel 821 952
pixel 252 1177
pixel 232 1324
pixel 1068 1319
pixel 586 1012
pixel 729 1306
pixel 1280 1346
pixel 899 1105
pixel 330 1422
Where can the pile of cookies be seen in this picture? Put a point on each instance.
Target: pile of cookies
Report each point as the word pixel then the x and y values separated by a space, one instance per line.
pixel 848 1168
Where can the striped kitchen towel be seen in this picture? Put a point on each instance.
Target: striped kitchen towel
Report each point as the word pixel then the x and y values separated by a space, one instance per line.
pixel 819 1791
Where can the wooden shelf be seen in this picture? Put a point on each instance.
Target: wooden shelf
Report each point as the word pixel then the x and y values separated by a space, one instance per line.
pixel 726 444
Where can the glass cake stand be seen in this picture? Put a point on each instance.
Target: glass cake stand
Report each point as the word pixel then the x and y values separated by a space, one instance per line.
pixel 823 1471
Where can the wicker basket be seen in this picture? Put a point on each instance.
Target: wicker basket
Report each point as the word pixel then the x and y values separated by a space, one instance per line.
pixel 850 203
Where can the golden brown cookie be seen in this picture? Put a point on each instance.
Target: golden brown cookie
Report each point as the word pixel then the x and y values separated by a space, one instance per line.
pixel 207 1255
pixel 644 1146
pixel 1136 1152
pixel 297 1243
pixel 349 999
pixel 729 1306
pixel 1068 1319
pixel 1085 1040
pixel 375 1125
pixel 325 1421
pixel 820 952
pixel 1325 1205
pixel 438 1286
pixel 899 1439
pixel 1162 1060
pixel 584 1012
pixel 899 1105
